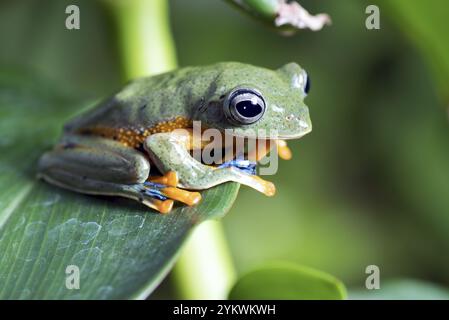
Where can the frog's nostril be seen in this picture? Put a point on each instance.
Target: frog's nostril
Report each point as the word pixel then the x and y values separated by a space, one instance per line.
pixel 297 121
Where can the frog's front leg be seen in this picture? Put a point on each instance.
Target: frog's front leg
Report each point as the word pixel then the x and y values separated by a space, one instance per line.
pixel 169 152
pixel 95 165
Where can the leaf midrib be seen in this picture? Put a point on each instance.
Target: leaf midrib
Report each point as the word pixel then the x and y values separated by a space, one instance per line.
pixel 6 213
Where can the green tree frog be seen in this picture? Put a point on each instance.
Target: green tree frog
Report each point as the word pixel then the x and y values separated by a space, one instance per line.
pixel 138 143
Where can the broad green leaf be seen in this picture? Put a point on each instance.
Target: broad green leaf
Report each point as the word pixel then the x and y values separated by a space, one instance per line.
pixel 425 22
pixel 288 281
pixel 122 248
pixel 404 289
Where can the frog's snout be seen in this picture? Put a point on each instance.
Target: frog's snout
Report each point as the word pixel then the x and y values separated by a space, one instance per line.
pixel 295 120
pixel 294 123
pixel 298 124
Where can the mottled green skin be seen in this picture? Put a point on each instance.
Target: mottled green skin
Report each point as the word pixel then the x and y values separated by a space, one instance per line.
pixel 93 164
pixel 198 93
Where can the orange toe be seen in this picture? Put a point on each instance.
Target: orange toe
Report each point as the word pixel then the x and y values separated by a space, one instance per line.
pixel 184 196
pixel 169 179
pixel 163 206
pixel 268 188
pixel 284 151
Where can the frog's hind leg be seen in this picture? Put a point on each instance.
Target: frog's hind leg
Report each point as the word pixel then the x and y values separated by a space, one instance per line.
pixel 94 165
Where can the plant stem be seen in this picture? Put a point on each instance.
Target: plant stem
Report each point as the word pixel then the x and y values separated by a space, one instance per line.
pixel 145 39
pixel 204 269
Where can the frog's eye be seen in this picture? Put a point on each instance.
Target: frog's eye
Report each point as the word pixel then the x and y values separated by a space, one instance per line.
pixel 244 106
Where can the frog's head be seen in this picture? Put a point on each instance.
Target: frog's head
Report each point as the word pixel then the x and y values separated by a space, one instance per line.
pixel 256 102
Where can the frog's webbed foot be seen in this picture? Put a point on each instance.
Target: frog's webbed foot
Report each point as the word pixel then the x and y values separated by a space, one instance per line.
pixel 253 181
pixel 152 198
pixel 161 197
pixel 167 184
pixel 250 179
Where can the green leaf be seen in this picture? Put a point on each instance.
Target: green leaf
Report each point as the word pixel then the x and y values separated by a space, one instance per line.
pixel 123 249
pixel 403 289
pixel 287 281
pixel 425 22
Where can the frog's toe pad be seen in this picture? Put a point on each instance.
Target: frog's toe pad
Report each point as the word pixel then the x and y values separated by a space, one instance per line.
pixel 266 187
pixel 284 151
pixel 163 206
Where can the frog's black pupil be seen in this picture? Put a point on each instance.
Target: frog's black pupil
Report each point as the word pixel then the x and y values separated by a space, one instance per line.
pixel 307 87
pixel 248 109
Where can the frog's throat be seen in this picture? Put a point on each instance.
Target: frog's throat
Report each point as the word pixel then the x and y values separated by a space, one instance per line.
pixel 273 137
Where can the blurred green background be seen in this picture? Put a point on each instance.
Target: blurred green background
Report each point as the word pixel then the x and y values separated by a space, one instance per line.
pixel 370 184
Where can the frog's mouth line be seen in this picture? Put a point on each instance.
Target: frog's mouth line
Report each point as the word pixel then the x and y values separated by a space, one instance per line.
pixel 273 137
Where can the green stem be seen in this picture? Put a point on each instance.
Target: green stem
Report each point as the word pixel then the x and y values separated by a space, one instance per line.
pixel 204 269
pixel 145 39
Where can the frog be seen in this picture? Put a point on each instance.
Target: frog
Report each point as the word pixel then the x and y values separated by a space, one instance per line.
pixel 138 142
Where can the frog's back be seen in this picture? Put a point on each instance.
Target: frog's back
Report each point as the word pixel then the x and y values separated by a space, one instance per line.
pixel 147 105
pixel 135 104
pixel 155 104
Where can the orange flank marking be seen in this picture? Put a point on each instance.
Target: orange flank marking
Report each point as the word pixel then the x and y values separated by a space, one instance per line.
pixel 134 137
pixel 169 179
pixel 284 151
pixel 187 197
